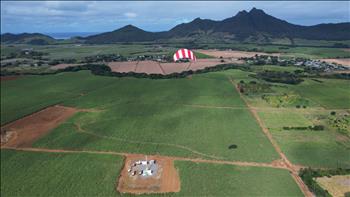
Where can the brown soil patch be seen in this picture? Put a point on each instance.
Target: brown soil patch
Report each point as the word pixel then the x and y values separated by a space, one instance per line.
pixel 203 63
pixel 7 78
pixel 174 67
pixel 153 67
pixel 23 132
pixel 123 67
pixel 149 67
pixel 342 61
pixel 166 180
pixel 61 66
pixel 233 54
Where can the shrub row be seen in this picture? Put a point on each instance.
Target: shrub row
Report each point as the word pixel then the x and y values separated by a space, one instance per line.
pixel 279 77
pixel 314 128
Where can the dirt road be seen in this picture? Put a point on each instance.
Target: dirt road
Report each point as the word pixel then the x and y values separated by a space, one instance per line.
pixel 293 169
pixel 274 164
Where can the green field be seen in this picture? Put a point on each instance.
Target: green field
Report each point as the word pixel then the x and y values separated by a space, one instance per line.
pixel 81 174
pixel 196 117
pixel 78 51
pixel 224 180
pixel 58 174
pixel 330 93
pixel 146 116
pixel 307 147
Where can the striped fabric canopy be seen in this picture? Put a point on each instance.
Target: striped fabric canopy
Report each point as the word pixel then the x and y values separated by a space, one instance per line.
pixel 184 54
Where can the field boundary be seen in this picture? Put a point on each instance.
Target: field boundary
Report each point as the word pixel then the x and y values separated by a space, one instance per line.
pixel 276 165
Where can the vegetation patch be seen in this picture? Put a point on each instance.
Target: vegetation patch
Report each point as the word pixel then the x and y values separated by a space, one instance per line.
pixel 341 123
pixel 312 128
pixel 279 77
pixel 197 179
pixel 308 175
pixel 58 174
pixel 253 87
pixel 286 100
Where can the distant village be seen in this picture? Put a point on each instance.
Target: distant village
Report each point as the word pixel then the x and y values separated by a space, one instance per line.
pixel 299 62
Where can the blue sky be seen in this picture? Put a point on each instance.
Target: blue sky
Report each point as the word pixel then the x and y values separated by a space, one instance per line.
pixel 93 16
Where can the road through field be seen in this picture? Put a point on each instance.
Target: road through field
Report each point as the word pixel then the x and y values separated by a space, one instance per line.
pixel 293 169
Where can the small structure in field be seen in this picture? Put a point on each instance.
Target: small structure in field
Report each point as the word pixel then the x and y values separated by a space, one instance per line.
pixel 143 168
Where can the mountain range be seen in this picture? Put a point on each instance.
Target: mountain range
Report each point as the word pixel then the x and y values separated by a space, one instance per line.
pixel 253 26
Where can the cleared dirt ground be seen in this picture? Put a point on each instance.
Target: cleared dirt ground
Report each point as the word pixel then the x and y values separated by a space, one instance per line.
pixel 123 67
pixel 23 132
pixel 166 180
pixel 342 61
pixel 152 67
pixel 149 67
pixel 174 67
pixel 233 54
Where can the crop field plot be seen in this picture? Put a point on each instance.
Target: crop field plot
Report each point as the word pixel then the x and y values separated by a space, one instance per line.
pixel 172 117
pixel 329 93
pixel 186 131
pixel 197 178
pixel 58 174
pixel 178 118
pixel 23 132
pixel 307 147
pixel 29 94
pixel 83 174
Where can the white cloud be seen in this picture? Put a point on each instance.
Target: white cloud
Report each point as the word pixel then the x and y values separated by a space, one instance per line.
pixel 130 14
pixel 98 16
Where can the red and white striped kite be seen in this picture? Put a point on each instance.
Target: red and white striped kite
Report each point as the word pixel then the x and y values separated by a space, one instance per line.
pixel 184 54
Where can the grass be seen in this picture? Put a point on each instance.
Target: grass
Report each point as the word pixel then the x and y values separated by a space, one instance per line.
pixel 58 174
pixel 332 93
pixel 28 94
pixel 79 51
pixel 81 174
pixel 144 115
pixel 324 148
pixel 224 180
pixel 151 129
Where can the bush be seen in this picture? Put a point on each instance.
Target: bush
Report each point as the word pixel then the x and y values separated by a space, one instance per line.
pixel 313 128
pixel 279 77
pixel 333 113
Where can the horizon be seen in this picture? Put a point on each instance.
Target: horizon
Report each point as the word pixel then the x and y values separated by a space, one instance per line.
pixel 90 17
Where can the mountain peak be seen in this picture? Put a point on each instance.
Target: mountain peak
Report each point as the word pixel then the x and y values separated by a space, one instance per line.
pixel 242 13
pixel 129 27
pixel 197 19
pixel 256 11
